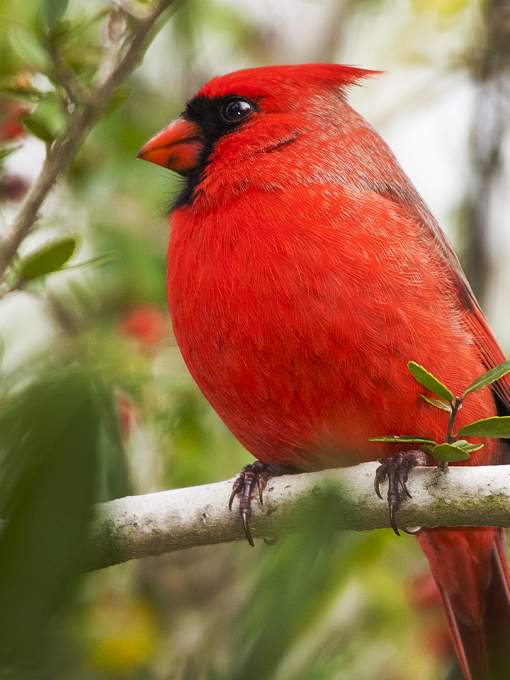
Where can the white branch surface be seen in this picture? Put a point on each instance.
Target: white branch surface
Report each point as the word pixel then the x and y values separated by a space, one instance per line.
pixel 151 524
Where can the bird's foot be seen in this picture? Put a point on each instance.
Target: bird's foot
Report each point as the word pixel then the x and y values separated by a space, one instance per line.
pixel 396 470
pixel 256 475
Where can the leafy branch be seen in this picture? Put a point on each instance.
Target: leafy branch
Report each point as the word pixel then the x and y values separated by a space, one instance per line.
pixel 82 110
pixel 453 449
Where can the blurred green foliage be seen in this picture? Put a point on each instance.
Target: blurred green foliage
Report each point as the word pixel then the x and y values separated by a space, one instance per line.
pixel 95 401
pixel 52 442
pixel 292 591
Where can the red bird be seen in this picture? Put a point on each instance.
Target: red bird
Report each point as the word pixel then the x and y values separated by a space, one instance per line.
pixel 304 272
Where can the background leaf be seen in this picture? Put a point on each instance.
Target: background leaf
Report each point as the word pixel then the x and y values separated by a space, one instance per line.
pixel 47 120
pixel 314 564
pixel 39 128
pixel 49 258
pixel 53 11
pixel 6 151
pixel 49 453
pixel 28 47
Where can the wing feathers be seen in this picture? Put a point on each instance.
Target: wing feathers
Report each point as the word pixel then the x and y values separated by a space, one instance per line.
pixel 410 202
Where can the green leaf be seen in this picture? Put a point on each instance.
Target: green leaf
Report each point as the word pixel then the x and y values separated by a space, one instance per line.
pixel 47 120
pixel 403 439
pixel 39 128
pixel 5 151
pixel 271 619
pixel 49 258
pixel 53 11
pixel 448 453
pixel 50 449
pixel 425 378
pixel 28 48
pixel 497 426
pixel 437 403
pixel 467 446
pixel 98 261
pixel 21 90
pixel 490 377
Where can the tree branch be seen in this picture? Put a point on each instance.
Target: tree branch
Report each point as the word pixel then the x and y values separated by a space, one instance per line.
pixel 81 121
pixel 138 526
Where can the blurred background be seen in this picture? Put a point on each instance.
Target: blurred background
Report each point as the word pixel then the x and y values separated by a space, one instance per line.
pixel 95 402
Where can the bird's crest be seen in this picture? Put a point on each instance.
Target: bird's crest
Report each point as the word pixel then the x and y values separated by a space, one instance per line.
pixel 264 79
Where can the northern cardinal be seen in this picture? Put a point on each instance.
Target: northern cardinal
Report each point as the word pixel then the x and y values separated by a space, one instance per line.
pixel 305 271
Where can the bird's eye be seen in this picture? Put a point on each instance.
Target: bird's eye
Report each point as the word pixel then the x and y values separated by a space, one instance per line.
pixel 236 110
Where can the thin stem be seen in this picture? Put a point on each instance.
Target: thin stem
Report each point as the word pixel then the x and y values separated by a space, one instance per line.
pixel 456 404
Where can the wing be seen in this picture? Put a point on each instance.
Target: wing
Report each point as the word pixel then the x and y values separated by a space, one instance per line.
pixel 409 200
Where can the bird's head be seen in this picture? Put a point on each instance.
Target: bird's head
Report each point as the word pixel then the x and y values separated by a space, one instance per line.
pixel 238 116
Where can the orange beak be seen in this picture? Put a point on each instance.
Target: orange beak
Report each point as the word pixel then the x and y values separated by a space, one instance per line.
pixel 177 147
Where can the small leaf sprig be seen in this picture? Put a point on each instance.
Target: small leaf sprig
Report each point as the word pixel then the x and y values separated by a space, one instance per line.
pixel 453 449
pixel 50 258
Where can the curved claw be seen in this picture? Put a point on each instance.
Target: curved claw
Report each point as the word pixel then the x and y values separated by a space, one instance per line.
pixel 393 507
pixel 380 476
pixel 245 516
pixel 257 474
pixel 396 470
pixel 231 499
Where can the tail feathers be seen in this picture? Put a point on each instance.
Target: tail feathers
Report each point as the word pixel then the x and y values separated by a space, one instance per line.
pixel 498 612
pixel 471 571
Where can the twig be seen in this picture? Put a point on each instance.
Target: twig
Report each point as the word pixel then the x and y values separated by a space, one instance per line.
pixel 138 526
pixel 72 92
pixel 81 121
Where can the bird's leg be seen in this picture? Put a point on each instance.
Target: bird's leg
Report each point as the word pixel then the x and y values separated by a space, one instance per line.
pixel 396 470
pixel 256 475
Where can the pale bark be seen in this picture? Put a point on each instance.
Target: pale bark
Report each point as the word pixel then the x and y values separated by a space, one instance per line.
pixel 151 524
